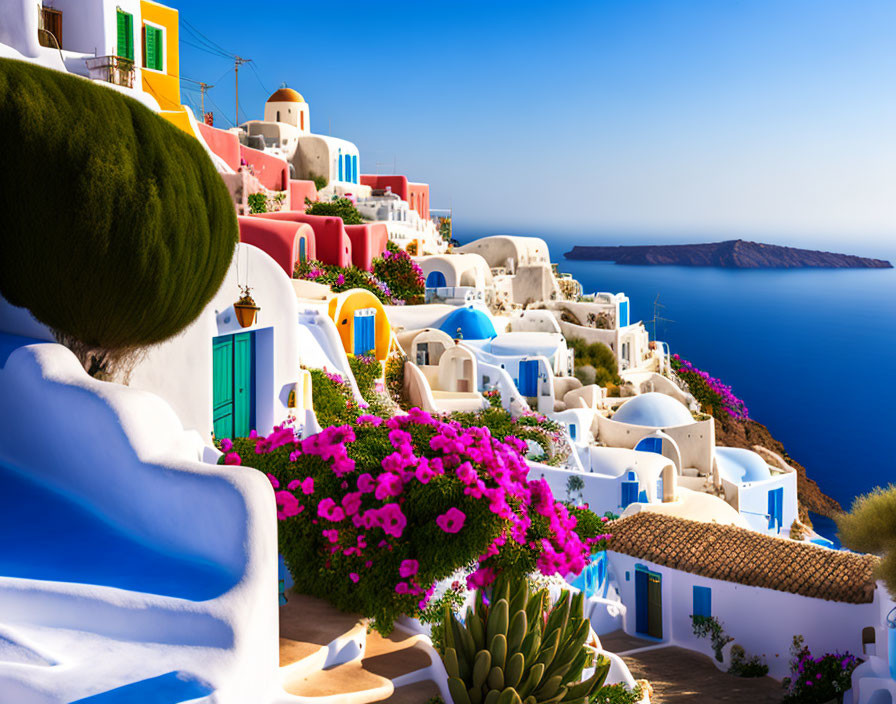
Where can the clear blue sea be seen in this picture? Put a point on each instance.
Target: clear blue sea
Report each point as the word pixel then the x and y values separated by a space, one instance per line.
pixel 812 352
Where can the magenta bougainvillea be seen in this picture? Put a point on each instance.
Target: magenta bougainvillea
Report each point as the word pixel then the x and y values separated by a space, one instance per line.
pixel 714 397
pixel 373 515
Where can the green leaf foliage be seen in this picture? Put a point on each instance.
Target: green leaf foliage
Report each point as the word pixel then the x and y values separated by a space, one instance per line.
pixel 341 208
pixel 870 526
pixel 595 362
pixel 117 230
pixel 514 648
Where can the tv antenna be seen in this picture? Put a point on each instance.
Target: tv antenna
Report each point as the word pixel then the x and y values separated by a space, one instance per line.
pixel 657 307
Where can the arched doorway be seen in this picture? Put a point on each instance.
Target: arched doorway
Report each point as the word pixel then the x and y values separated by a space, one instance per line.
pixel 436 279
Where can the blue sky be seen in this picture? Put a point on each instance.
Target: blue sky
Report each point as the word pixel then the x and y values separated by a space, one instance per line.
pixel 770 119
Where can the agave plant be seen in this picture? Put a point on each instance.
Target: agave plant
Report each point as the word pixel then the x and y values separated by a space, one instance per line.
pixel 514 652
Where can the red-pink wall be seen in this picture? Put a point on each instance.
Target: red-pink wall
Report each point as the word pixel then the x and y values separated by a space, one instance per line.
pixel 398 184
pixel 279 239
pixel 272 171
pixel 419 198
pixel 331 243
pixel 368 241
pixel 299 191
pixel 225 144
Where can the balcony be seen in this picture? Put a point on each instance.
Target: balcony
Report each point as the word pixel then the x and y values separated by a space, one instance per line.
pixel 112 69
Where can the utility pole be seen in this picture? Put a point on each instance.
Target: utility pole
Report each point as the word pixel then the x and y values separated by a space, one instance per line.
pixel 203 89
pixel 237 60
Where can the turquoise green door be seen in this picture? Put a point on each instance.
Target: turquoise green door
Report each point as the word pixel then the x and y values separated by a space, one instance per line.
pixel 233 365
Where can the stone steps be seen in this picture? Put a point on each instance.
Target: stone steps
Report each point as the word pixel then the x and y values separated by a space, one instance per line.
pixel 328 657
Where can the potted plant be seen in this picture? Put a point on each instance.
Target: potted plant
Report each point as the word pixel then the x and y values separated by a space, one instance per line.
pixel 245 308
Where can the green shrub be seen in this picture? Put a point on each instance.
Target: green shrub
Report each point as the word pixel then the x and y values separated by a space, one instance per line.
pixel 320 182
pixel 596 356
pixel 590 527
pixel 704 626
pixel 617 694
pixel 434 613
pixel 395 379
pixel 343 278
pixel 117 230
pixel 519 648
pixel 401 274
pixel 870 526
pixel 742 666
pixel 341 208
pixel 258 203
pixel 332 398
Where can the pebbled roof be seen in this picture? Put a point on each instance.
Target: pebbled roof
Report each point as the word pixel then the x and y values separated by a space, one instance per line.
pixel 746 557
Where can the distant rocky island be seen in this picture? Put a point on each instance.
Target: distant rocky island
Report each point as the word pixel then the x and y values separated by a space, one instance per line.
pixel 731 254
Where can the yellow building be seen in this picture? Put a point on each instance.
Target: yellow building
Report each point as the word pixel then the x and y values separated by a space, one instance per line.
pixel 362 323
pixel 160 61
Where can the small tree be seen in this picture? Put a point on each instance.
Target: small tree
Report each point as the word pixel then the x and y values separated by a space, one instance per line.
pixel 870 526
pixel 117 230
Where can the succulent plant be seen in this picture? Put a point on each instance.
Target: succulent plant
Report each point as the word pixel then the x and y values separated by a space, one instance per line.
pixel 514 652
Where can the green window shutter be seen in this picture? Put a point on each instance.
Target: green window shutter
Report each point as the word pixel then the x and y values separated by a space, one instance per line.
pixel 125 35
pixel 149 34
pixel 160 49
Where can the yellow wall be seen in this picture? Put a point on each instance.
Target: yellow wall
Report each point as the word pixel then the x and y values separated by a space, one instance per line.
pixel 165 87
pixel 342 311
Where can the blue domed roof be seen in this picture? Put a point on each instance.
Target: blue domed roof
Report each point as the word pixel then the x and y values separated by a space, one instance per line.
pixel 473 323
pixel 740 466
pixel 654 410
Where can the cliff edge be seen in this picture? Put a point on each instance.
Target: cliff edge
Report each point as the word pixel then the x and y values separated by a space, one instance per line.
pixel 731 254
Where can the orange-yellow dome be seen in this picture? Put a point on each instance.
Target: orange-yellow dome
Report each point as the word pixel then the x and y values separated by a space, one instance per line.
pixel 286 95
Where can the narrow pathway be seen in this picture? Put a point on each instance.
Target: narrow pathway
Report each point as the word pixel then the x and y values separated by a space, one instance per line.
pixel 680 676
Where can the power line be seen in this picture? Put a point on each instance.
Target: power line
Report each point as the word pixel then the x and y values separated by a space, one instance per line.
pixel 210 46
pixel 258 77
pixel 205 49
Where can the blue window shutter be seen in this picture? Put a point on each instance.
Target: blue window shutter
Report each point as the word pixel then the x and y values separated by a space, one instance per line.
pixel 702 601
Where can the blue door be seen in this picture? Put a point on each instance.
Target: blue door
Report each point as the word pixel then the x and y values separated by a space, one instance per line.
pixel 775 509
pixel 648 603
pixel 339 163
pixel 436 279
pixel 529 377
pixel 302 255
pixel 354 168
pixel 623 313
pixel 629 490
pixel 364 338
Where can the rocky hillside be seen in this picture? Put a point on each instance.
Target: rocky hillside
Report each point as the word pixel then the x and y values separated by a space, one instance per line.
pixel 732 254
pixel 748 434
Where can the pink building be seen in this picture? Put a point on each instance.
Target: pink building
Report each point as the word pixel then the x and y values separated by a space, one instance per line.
pixel 332 243
pixel 285 241
pixel 271 171
pixel 416 194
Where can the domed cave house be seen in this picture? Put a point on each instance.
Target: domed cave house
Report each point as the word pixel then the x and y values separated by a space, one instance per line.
pixel 764 495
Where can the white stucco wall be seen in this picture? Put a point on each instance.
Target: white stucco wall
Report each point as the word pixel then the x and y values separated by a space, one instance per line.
pixel 763 621
pixel 123 455
pixel 180 370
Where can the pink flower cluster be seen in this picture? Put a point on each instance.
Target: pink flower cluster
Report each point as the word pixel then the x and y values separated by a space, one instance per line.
pixel 727 401
pixel 490 471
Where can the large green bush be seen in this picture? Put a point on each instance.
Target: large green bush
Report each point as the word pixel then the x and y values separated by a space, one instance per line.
pixel 603 369
pixel 870 526
pixel 117 230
